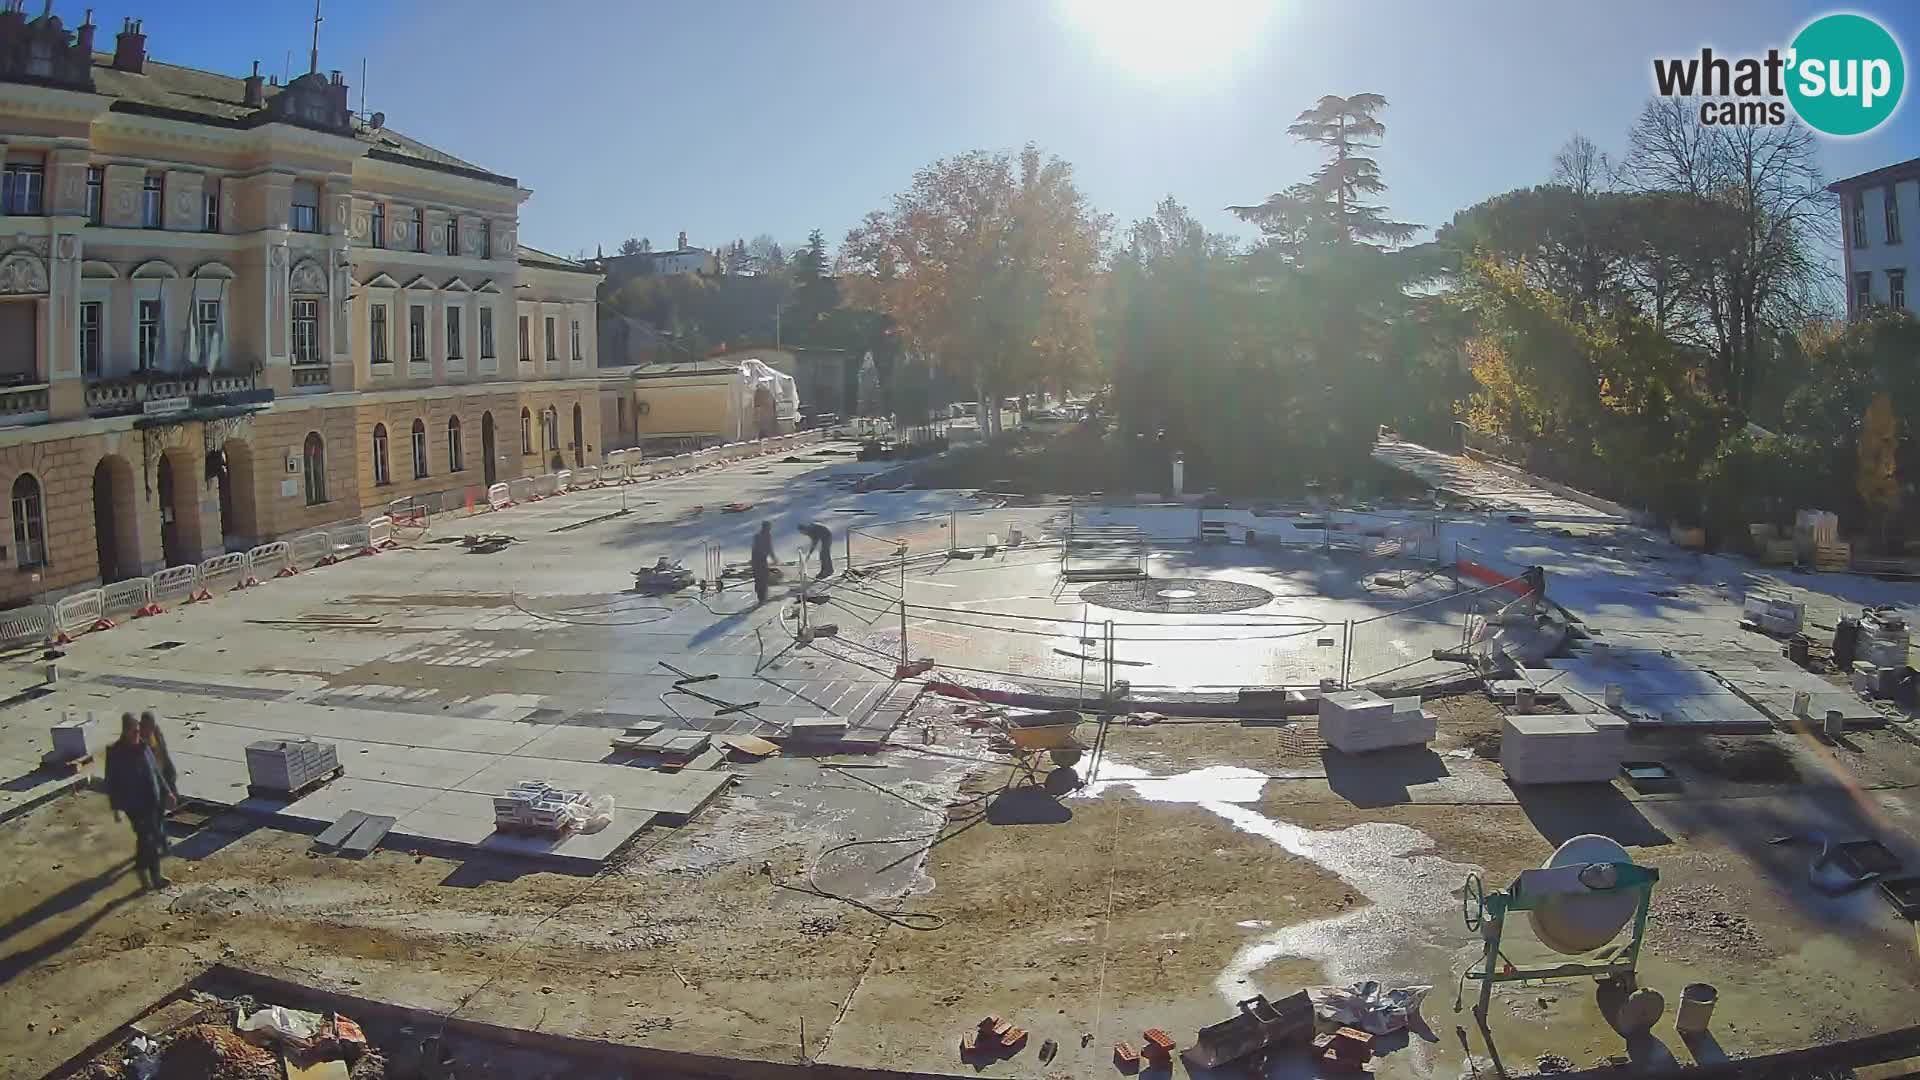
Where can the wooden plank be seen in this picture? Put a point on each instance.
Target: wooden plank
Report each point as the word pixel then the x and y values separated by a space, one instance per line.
pixel 368 834
pixel 337 832
pixel 751 746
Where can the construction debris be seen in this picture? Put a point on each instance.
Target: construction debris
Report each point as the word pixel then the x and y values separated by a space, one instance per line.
pixel 1260 1024
pixel 1157 1047
pixel 994 1036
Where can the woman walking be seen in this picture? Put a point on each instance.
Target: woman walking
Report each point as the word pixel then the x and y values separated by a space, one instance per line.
pixel 137 788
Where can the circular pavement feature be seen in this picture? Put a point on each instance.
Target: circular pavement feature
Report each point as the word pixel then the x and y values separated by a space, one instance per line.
pixel 1176 596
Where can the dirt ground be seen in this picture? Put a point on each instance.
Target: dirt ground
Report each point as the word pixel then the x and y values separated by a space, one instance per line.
pixel 1097 915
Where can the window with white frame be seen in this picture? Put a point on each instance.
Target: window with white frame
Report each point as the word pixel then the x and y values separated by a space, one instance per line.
pixel 1862 290
pixel 1857 214
pixel 377 334
pixel 29 523
pixel 577 354
pixel 526 345
pixel 552 419
pixel 210 207
pixel 419 449
pixel 96 193
pixel 147 334
pixel 91 313
pixel 303 215
pixel 315 455
pixel 151 191
pixel 456 455
pixel 417 334
pixel 381 474
pixel 486 332
pixel 206 324
pixel 1893 213
pixel 553 353
pixel 453 234
pixel 453 333
pixel 379 229
pixel 1897 289
pixel 526 432
pixel 486 239
pixel 24 187
pixel 306 331
pixel 417 229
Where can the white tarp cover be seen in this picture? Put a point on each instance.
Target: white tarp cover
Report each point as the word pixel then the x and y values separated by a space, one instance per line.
pixel 786 393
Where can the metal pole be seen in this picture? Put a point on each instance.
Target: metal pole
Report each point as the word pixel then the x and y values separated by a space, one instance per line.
pixel 803 591
pixel 903 609
pixel 1346 660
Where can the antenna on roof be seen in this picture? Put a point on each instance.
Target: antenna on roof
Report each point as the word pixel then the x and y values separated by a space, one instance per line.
pixel 363 89
pixel 313 57
pixel 286 68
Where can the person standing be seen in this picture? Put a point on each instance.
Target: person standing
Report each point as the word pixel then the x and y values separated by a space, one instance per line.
pixel 157 745
pixel 762 560
pixel 137 788
pixel 821 540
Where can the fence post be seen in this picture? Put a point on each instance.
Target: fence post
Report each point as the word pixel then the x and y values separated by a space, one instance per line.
pixel 1346 660
pixel 904 656
pixel 1326 531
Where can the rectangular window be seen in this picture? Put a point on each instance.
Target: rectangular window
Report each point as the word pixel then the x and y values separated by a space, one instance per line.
pixel 207 329
pixel 304 216
pixel 29 524
pixel 90 338
pixel 453 234
pixel 486 333
pixel 417 334
pixel 419 451
pixel 553 353
pixel 453 333
pixel 1862 291
pixel 379 228
pixel 306 331
pixel 577 354
pixel 1857 213
pixel 150 191
pixel 381 475
pixel 526 345
pixel 377 332
pixel 96 193
pixel 23 188
pixel 210 207
pixel 418 229
pixel 486 239
pixel 148 340
pixel 1893 214
pixel 1897 289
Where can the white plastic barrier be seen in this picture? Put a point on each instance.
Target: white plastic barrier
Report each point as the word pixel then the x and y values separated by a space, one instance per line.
pixel 380 533
pixel 616 461
pixel 351 540
pixel 562 481
pixel 124 599
pixel 520 489
pixel 273 560
pixel 76 614
pixel 217 571
pixel 498 497
pixel 26 626
pixel 545 486
pixel 586 476
pixel 173 584
pixel 311 549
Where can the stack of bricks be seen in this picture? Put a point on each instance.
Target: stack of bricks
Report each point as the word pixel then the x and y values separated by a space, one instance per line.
pixel 993 1035
pixel 1157 1048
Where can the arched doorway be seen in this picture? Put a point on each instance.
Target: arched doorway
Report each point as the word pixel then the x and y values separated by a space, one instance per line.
pixel 179 509
pixel 239 524
pixel 486 447
pixel 117 545
pixel 579 439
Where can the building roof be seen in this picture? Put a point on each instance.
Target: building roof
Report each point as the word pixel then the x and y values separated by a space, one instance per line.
pixel 194 95
pixel 546 260
pixel 1904 170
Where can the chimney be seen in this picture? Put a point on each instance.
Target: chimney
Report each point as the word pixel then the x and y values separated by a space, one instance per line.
pixel 130 48
pixel 682 244
pixel 256 95
pixel 86 37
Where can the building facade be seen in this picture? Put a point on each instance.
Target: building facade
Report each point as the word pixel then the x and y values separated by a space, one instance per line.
pixel 1877 210
pixel 232 310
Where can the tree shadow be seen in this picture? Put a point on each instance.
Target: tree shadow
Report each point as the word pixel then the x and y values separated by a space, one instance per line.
pixel 1382 777
pixel 1560 812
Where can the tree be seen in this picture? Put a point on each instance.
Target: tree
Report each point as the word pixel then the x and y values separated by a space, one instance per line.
pixel 635 246
pixel 1329 206
pixel 986 262
pixel 734 259
pixel 764 256
pixel 1877 476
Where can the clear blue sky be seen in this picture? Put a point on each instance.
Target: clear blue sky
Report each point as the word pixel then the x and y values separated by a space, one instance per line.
pixel 728 118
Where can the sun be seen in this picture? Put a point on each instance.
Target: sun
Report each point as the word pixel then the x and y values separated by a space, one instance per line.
pixel 1168 39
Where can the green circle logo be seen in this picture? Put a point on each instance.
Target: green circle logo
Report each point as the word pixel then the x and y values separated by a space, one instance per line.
pixel 1847 74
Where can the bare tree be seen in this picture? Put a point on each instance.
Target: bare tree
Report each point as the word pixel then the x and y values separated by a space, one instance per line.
pixel 1761 195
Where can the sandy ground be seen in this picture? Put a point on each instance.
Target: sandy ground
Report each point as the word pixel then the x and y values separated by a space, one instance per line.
pixel 1097 916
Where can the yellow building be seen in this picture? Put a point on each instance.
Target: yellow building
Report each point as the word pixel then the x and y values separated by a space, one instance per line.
pixel 232 310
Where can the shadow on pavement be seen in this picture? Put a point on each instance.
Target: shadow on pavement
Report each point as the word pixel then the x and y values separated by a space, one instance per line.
pixel 1381 778
pixel 1561 812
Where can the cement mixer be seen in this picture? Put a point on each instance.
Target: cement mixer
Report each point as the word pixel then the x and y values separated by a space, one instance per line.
pixel 1577 904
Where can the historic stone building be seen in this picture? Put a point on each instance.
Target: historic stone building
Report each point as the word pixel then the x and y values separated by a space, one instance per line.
pixel 232 310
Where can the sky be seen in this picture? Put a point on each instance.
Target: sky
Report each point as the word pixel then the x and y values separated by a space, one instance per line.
pixel 730 118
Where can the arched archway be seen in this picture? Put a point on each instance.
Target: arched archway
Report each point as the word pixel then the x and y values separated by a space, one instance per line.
pixel 486 448
pixel 116 538
pixel 178 483
pixel 579 438
pixel 239 520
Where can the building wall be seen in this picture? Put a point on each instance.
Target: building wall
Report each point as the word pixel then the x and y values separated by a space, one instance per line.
pixel 701 405
pixel 1877 257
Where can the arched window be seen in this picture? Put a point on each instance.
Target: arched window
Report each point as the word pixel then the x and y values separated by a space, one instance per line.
pixel 526 432
pixel 419 449
pixel 553 428
pixel 456 460
pixel 315 453
pixel 381 475
pixel 29 523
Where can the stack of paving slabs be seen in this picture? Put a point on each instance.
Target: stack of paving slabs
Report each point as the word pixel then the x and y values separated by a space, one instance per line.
pixel 1356 721
pixel 289 764
pixel 535 804
pixel 1563 749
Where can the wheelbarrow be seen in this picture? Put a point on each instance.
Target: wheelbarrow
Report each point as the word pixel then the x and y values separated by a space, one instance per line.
pixel 1042 738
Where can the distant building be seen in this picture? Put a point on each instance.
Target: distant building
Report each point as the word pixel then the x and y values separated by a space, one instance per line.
pixel 696 403
pixel 1877 210
pixel 681 260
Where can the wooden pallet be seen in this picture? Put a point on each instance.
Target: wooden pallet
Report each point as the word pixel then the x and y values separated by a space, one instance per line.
pixel 255 791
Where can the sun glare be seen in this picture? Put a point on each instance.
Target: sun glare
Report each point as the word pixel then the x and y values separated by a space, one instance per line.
pixel 1168 39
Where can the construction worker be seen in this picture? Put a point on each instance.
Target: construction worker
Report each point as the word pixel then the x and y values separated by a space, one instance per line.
pixel 821 540
pixel 762 560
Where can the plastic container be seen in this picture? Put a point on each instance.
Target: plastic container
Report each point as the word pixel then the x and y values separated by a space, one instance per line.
pixel 1616 695
pixel 1696 1008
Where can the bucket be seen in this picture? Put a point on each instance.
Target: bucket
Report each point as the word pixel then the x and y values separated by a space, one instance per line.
pixel 1523 700
pixel 1836 724
pixel 1616 695
pixel 1802 704
pixel 1696 1008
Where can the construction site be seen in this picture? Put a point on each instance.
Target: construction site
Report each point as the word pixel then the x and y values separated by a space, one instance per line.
pixel 1485 780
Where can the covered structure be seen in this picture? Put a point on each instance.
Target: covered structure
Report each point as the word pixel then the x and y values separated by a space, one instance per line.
pixel 698 403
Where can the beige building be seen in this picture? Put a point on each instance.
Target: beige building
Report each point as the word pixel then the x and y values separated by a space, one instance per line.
pixel 232 310
pixel 697 403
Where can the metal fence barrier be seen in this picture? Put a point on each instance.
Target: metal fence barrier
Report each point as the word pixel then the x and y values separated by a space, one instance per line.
pixel 380 533
pixel 274 560
pixel 31 625
pixel 562 481
pixel 586 476
pixel 352 540
pixel 76 614
pixel 499 497
pixel 175 583
pixel 217 570
pixel 123 600
pixel 311 549
pixel 546 486
pixel 520 489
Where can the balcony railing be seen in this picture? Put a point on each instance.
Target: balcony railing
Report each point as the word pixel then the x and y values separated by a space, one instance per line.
pixel 22 405
pixel 313 378
pixel 126 394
